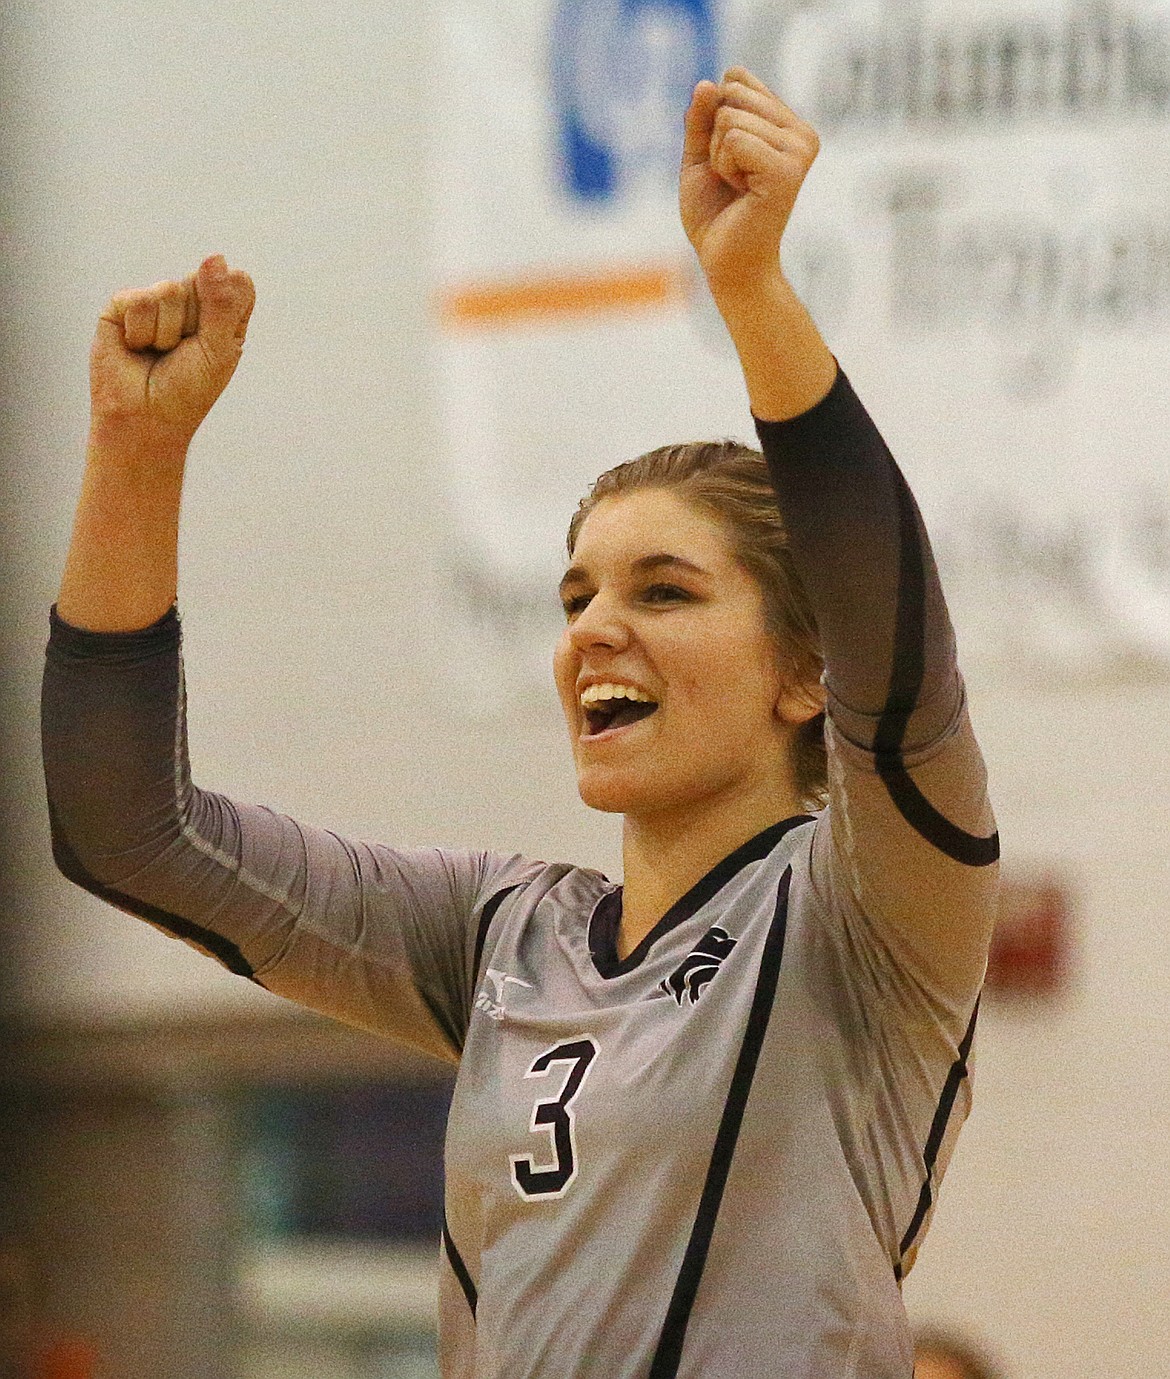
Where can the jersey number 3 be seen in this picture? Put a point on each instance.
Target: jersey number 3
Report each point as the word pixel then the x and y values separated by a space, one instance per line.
pixel 554 1117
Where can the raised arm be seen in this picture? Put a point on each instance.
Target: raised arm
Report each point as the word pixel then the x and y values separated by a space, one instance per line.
pixel 908 841
pixel 379 937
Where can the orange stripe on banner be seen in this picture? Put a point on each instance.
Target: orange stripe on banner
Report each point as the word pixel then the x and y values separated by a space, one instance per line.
pixel 553 296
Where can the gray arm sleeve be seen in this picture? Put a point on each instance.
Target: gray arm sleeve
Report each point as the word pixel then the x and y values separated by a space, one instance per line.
pixel 908 842
pixel 378 937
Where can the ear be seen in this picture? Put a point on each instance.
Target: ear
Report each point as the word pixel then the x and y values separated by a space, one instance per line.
pixel 798 701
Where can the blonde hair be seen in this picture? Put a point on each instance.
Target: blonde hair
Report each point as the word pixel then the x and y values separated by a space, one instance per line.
pixel 730 482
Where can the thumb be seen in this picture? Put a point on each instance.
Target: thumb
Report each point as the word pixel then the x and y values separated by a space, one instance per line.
pixel 224 299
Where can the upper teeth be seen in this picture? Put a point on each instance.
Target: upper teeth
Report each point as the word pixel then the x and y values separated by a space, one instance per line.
pixel 593 693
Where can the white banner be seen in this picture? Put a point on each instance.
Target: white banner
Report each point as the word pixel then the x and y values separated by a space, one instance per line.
pixel 985 241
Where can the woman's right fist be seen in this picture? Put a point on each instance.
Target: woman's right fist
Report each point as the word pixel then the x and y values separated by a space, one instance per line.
pixel 163 354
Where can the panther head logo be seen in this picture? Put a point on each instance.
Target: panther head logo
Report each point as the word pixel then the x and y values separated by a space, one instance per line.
pixel 688 981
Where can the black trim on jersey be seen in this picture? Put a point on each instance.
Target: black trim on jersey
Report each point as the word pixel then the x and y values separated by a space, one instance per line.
pixel 607 913
pixel 458 1268
pixel 487 914
pixel 906 677
pixel 946 1104
pixel 670 1343
pixel 219 947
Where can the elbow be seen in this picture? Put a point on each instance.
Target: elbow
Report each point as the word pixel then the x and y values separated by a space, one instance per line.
pixel 67 859
pixel 98 852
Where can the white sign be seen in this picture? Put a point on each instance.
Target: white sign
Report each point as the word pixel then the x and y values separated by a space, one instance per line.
pixel 985 241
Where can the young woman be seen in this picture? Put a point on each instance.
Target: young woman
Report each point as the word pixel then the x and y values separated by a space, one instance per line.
pixel 700 1118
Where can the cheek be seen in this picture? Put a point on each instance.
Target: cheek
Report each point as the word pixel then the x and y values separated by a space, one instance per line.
pixel 726 676
pixel 564 670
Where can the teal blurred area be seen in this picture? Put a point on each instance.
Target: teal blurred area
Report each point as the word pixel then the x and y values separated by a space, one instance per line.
pixel 243 1198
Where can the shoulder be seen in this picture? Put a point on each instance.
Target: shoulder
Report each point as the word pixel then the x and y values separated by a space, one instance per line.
pixel 530 880
pixel 518 885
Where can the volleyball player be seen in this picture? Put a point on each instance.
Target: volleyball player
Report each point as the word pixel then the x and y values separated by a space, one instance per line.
pixel 700 1117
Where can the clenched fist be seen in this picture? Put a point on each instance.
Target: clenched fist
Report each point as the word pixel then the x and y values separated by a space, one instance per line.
pixel 745 157
pixel 163 354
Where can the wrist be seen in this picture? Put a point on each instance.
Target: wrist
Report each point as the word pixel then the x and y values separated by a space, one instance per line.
pixel 115 443
pixel 787 366
pixel 746 302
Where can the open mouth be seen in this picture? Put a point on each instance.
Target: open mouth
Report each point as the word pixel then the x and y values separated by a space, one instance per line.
pixel 614 706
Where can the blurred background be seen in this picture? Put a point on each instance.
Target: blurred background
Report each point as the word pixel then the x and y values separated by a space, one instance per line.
pixel 472 297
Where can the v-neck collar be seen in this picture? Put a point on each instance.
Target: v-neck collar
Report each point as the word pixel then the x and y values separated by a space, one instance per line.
pixel 607 913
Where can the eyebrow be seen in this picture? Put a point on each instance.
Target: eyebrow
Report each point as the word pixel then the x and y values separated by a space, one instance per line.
pixel 576 574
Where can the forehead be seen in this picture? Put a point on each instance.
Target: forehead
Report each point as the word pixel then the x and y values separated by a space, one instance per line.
pixel 629 526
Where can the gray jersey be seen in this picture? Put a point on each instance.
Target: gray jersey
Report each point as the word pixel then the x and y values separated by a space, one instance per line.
pixel 716 1156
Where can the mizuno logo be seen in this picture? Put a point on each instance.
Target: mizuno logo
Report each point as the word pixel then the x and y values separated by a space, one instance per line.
pixel 688 981
pixel 493 1005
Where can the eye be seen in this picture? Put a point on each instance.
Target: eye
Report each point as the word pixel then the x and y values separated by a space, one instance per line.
pixel 575 604
pixel 666 593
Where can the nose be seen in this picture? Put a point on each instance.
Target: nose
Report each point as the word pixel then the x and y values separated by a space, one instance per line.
pixel 600 624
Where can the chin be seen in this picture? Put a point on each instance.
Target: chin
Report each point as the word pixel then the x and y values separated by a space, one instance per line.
pixel 609 797
pixel 618 792
pixel 610 790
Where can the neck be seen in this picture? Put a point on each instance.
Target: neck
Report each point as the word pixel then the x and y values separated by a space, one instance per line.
pixel 665 853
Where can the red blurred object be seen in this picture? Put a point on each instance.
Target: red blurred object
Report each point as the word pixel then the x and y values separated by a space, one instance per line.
pixel 1031 950
pixel 67 1359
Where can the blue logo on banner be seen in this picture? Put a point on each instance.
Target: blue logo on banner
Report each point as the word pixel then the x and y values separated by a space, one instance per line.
pixel 622 74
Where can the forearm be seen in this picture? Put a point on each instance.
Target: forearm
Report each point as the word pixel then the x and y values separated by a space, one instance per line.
pixel 121 573
pixel 856 536
pixel 787 366
pixel 862 552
